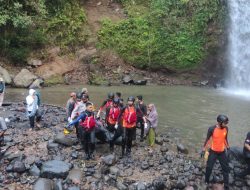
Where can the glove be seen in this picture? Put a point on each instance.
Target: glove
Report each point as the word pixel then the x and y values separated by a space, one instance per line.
pixel 69 119
pixel 116 125
pixel 202 153
pixel 145 125
pixel 98 114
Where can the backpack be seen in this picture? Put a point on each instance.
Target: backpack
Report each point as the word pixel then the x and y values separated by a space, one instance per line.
pixel 1 87
pixel 38 98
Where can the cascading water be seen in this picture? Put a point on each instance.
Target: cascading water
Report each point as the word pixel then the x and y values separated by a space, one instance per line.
pixel 239 46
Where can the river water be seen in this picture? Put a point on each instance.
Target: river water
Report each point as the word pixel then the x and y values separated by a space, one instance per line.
pixel 190 110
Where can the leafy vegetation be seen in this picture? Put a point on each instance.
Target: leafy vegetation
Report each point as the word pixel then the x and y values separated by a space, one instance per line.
pixel 27 25
pixel 165 33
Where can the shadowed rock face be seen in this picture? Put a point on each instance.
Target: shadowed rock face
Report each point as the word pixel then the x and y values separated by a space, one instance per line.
pixel 34 159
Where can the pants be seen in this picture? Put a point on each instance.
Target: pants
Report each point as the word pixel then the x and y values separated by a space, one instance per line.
pixel 1 98
pixel 127 138
pixel 213 156
pixel 246 171
pixel 88 140
pixel 140 124
pixel 37 116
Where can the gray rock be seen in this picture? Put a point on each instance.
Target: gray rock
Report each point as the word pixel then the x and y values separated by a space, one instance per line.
pixel 65 140
pixel 127 80
pixel 159 140
pixel 75 176
pixel 164 149
pixel 24 78
pixel 144 165
pixel 58 185
pixel 35 62
pixel 114 170
pixel 159 183
pixel 5 75
pixel 109 160
pixel 121 186
pixel 74 188
pixel 43 184
pixel 182 149
pixel 34 171
pixel 55 169
pixel 180 184
pixel 52 146
pixel 19 167
pixel 38 83
pixel 141 186
pixel 74 154
pixel 236 153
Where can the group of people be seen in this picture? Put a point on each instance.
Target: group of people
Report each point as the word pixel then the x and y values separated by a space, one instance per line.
pixel 114 118
pixel 216 147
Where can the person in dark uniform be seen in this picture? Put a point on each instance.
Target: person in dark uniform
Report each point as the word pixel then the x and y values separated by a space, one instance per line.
pixel 246 153
pixel 141 111
pixel 217 138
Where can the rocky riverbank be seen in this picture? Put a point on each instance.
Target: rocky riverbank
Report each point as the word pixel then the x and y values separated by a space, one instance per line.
pixel 44 159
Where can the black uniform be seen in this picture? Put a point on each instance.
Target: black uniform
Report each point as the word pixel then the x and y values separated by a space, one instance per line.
pixel 246 153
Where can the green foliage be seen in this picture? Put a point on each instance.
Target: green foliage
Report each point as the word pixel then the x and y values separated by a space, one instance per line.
pixel 170 34
pixel 27 25
pixel 66 28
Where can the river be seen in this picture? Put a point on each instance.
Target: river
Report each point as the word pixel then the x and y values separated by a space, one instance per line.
pixel 190 110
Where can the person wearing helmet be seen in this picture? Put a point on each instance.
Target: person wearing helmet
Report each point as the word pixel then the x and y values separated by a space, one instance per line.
pixel 2 89
pixel 128 118
pixel 141 111
pixel 32 108
pixel 106 103
pixel 86 129
pixel 217 140
pixel 70 105
pixel 112 114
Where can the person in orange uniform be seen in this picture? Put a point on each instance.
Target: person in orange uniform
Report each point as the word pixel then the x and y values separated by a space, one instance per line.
pixel 217 139
pixel 128 118
pixel 112 114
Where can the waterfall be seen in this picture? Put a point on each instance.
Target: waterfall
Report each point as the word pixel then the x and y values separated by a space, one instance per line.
pixel 239 46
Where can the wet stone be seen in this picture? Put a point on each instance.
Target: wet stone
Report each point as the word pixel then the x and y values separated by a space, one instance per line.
pixel 55 169
pixel 43 184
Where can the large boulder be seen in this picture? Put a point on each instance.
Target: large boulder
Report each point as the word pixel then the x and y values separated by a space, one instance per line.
pixel 65 140
pixel 5 75
pixel 24 78
pixel 43 184
pixel 38 83
pixel 55 169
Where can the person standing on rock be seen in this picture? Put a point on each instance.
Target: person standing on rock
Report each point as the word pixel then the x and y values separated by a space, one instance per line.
pixel 246 153
pixel 32 108
pixel 128 118
pixel 2 89
pixel 112 114
pixel 151 122
pixel 70 105
pixel 217 139
pixel 106 103
pixel 141 111
pixel 86 129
